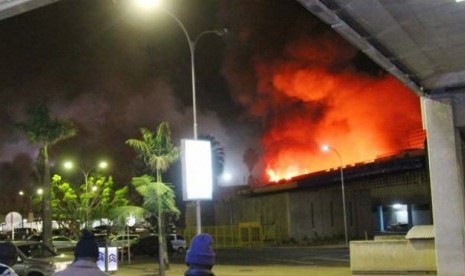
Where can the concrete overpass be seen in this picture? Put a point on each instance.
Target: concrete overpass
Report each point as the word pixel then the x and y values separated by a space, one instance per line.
pixel 9 8
pixel 422 43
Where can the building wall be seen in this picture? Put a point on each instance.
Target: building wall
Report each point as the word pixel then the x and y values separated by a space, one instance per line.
pixel 316 212
pixel 269 211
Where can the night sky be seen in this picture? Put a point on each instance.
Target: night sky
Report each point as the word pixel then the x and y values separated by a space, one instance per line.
pixel 113 71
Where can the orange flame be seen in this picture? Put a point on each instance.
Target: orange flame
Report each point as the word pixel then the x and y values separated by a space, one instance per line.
pixel 308 89
pixel 359 115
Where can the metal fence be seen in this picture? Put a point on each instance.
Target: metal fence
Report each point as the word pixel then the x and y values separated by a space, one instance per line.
pixel 247 234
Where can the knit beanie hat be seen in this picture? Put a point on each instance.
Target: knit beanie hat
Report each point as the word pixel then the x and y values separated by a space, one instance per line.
pixel 87 246
pixel 8 253
pixel 200 252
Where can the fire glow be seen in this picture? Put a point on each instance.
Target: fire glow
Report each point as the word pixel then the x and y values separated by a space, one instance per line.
pixel 362 118
pixel 310 89
pixel 360 115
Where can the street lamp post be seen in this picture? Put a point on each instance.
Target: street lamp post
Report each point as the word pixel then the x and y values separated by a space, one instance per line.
pixel 344 214
pixel 102 165
pixel 192 44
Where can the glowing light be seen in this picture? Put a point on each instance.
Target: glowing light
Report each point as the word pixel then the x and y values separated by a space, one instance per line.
pixel 226 177
pixel 286 174
pixel 148 3
pixel 40 191
pixel 68 165
pixel 103 164
pixel 398 206
pixel 196 169
pixel 21 193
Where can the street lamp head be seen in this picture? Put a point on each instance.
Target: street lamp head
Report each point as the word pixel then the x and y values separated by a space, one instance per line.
pixel 21 193
pixel 148 3
pixel 103 164
pixel 325 148
pixel 221 32
pixel 68 165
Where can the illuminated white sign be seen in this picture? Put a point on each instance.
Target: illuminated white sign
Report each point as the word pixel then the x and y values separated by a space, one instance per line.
pixel 197 181
pixel 112 258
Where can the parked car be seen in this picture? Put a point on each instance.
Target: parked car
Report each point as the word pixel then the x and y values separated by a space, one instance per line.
pixel 178 243
pixel 34 238
pixel 36 258
pixel 102 229
pixel 148 245
pixel 101 239
pixel 20 233
pixel 123 240
pixel 62 242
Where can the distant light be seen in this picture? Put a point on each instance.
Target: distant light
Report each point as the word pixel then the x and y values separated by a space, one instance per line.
pixel 226 176
pixel 21 193
pixel 40 191
pixel 397 206
pixel 103 165
pixel 68 165
pixel 94 188
pixel 325 148
pixel 148 3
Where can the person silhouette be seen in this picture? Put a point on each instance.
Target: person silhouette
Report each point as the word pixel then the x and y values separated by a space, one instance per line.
pixel 8 258
pixel 85 258
pixel 200 257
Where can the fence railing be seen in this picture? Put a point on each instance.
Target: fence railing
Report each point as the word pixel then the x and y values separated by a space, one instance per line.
pixel 247 234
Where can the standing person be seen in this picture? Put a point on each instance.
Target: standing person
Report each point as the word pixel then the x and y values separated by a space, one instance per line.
pixel 8 258
pixel 85 258
pixel 200 257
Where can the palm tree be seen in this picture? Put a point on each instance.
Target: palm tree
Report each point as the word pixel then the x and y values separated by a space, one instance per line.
pixel 42 130
pixel 158 153
pixel 156 150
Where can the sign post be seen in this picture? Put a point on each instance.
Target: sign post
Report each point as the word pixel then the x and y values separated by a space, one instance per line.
pixel 13 219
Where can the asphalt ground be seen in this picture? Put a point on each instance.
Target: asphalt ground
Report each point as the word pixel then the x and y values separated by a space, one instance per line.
pixel 253 262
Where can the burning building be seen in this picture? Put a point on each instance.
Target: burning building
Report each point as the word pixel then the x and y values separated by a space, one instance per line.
pixel 384 196
pixel 309 87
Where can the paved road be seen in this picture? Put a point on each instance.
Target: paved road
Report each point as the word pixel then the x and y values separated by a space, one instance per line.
pixel 268 261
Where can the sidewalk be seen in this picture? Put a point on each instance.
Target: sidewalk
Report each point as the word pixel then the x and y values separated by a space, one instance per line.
pixel 233 270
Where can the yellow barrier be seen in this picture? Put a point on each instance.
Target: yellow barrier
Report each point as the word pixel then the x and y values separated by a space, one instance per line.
pixel 246 234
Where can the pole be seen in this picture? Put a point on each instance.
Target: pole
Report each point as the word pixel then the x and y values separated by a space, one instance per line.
pixel 192 44
pixel 86 183
pixel 344 214
pixel 344 207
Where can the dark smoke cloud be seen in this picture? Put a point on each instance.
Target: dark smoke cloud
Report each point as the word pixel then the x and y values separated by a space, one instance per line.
pixel 307 87
pixel 112 73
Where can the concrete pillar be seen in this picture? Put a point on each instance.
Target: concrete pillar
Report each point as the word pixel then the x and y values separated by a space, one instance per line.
pixel 447 189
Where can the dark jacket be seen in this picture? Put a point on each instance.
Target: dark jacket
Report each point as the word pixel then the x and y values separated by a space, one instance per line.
pixel 195 271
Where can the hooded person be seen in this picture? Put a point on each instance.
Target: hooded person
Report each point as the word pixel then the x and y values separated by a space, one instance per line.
pixel 8 258
pixel 200 257
pixel 85 258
